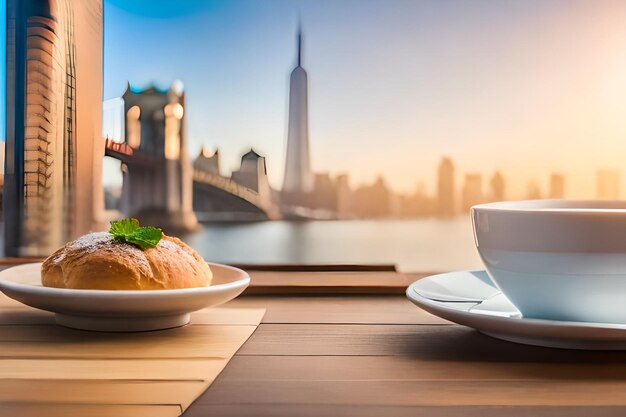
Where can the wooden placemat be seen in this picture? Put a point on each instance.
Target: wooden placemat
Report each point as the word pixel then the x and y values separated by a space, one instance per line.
pixel 50 370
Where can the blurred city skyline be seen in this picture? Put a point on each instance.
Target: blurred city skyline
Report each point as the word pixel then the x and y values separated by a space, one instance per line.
pixel 528 89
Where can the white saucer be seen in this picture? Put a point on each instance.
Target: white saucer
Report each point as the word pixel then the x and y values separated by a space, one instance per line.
pixel 121 311
pixel 471 299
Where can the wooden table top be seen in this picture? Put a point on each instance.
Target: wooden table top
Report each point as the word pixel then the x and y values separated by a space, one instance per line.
pixel 348 343
pixel 379 355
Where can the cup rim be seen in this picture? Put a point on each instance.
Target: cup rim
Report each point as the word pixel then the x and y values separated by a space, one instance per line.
pixel 555 206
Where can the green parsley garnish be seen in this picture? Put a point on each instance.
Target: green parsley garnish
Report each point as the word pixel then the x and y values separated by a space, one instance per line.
pixel 129 231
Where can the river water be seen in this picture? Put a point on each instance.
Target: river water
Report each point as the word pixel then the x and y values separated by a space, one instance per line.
pixel 412 245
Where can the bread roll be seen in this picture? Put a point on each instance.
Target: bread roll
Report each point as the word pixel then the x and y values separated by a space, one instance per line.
pixel 97 261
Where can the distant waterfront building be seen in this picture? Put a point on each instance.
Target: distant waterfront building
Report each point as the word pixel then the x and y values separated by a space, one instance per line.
pixel 421 204
pixel 445 188
pixel 298 179
pixel 345 197
pixel 373 201
pixel 54 147
pixel 557 186
pixel 533 192
pixel 208 161
pixel 324 193
pixel 497 187
pixel 157 181
pixel 607 185
pixel 472 191
pixel 253 173
pixel 417 204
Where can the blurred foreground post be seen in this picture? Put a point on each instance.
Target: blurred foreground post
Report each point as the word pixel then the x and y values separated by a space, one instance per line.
pixel 54 146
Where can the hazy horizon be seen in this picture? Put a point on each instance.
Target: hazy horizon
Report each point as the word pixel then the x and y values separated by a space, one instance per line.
pixel 527 88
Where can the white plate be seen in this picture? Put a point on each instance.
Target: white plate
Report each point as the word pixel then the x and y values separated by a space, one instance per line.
pixel 121 311
pixel 471 299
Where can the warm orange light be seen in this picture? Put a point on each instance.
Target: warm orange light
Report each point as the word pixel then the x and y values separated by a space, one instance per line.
pixel 174 110
pixel 173 116
pixel 133 127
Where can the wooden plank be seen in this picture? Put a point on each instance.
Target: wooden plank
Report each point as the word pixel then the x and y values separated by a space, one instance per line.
pixel 453 343
pixel 8 262
pixel 55 333
pixel 354 410
pixel 339 309
pixel 11 261
pixel 45 333
pixel 58 342
pixel 101 392
pixel 317 267
pixel 268 282
pixel 17 313
pixel 330 309
pixel 166 387
pixel 316 339
pixel 420 393
pixel 91 410
pixel 229 314
pixel 24 315
pixel 313 279
pixel 257 369
pixel 334 279
pixel 6 302
pixel 124 369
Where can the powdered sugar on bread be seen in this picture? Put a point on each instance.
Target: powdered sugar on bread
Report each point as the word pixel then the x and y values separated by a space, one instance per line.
pixel 98 261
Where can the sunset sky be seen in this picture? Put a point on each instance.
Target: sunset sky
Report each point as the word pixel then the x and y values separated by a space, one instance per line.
pixel 526 87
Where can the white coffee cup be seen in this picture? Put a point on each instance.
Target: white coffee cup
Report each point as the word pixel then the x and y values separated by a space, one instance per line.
pixel 557 259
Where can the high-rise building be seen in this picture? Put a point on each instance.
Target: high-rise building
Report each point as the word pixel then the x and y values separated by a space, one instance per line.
pixel 298 180
pixel 472 191
pixel 497 187
pixel 445 188
pixel 557 186
pixel 54 146
pixel 607 185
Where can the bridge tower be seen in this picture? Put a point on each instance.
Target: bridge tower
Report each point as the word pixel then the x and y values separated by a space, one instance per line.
pixel 158 176
pixel 253 174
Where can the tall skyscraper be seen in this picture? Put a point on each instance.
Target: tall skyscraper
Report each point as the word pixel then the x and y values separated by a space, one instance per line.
pixel 445 188
pixel 298 180
pixel 557 186
pixel 607 185
pixel 54 146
